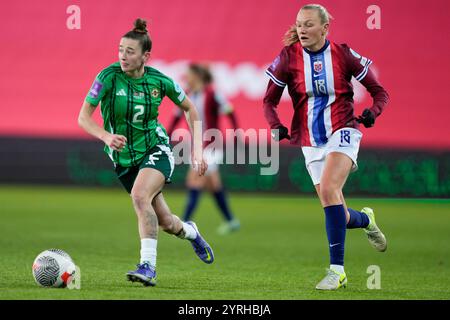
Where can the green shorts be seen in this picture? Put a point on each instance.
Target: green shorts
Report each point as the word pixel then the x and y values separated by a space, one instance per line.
pixel 159 157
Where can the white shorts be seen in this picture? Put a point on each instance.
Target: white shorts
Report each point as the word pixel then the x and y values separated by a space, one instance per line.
pixel 213 158
pixel 345 140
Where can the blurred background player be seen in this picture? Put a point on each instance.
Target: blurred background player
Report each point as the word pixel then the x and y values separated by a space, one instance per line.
pixel 318 75
pixel 130 94
pixel 210 106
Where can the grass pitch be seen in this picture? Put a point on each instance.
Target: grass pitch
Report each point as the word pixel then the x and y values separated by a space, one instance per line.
pixel 280 252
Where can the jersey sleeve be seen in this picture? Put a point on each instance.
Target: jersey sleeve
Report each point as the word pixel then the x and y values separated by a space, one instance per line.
pixel 174 91
pixel 358 64
pixel 100 87
pixel 359 67
pixel 278 71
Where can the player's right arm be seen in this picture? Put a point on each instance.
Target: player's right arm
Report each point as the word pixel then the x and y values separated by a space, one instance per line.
pixel 101 86
pixel 114 141
pixel 278 81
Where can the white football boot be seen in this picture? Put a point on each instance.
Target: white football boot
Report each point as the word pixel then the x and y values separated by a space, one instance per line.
pixel 374 234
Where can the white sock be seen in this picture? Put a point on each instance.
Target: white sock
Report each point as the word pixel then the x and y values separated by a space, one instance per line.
pixel 337 268
pixel 189 231
pixel 148 251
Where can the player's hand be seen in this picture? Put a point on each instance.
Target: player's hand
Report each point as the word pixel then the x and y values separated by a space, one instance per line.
pixel 115 141
pixel 199 164
pixel 280 133
pixel 367 118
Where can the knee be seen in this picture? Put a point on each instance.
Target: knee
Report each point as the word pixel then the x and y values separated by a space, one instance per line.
pixel 141 201
pixel 329 194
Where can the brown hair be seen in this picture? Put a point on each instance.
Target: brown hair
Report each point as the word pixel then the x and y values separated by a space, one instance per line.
pixel 140 33
pixel 202 71
pixel 291 36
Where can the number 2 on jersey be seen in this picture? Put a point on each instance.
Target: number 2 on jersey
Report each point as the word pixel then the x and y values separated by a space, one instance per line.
pixel 138 113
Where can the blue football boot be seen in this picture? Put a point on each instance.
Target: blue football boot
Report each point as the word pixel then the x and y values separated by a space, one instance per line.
pixel 144 274
pixel 201 247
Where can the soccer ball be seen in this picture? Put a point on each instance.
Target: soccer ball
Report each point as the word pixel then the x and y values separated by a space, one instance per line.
pixel 53 268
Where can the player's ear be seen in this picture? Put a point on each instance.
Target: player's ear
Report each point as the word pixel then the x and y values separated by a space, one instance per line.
pixel 326 27
pixel 147 55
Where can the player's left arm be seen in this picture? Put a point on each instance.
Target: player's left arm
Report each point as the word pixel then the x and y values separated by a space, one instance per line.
pixel 378 93
pixel 179 97
pixel 360 69
pixel 193 119
pixel 173 123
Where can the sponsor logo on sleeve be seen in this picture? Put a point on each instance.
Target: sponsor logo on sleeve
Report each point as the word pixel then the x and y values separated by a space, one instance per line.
pixel 95 89
pixel 275 63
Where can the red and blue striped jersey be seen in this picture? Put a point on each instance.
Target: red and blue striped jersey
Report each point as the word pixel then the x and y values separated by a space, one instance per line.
pixel 319 84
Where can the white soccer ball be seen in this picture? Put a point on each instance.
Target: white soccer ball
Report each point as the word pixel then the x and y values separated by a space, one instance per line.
pixel 53 268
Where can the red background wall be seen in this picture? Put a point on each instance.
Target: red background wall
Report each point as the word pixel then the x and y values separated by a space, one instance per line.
pixel 47 69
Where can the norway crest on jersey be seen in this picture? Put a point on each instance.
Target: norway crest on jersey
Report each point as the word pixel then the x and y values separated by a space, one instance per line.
pixel 318 66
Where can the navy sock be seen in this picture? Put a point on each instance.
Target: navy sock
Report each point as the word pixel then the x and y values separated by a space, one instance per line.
pixel 221 201
pixel 357 219
pixel 192 204
pixel 335 223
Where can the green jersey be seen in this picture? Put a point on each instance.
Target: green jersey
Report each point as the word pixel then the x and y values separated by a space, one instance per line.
pixel 129 107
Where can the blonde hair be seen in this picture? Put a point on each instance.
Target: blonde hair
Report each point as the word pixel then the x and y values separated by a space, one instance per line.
pixel 291 36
